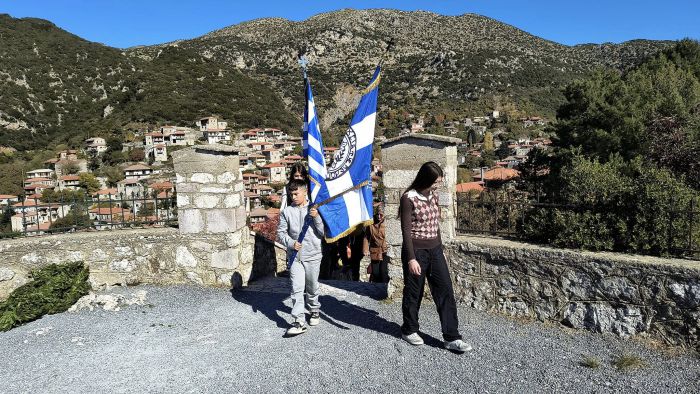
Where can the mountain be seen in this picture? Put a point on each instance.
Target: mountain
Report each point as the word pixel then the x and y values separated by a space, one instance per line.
pixel 453 64
pixel 56 87
pixel 59 86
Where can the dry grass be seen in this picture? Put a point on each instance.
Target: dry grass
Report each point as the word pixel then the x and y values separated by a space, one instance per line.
pixel 626 362
pixel 590 362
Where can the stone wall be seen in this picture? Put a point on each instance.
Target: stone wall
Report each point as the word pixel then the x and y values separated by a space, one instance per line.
pixel 604 292
pixel 127 257
pixel 212 245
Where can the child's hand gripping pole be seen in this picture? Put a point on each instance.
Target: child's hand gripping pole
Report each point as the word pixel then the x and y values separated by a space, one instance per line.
pixel 302 233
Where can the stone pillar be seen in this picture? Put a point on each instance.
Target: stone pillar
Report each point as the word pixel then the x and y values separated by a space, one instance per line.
pixel 211 207
pixel 401 158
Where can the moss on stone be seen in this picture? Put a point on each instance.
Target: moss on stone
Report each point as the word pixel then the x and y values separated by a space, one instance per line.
pixel 53 290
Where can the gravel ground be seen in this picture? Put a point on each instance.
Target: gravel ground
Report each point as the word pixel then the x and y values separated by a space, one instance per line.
pixel 189 339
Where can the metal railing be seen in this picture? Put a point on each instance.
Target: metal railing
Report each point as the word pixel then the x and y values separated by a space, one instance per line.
pixel 79 212
pixel 507 213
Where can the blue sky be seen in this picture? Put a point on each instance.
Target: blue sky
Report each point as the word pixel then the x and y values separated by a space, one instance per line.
pixel 125 23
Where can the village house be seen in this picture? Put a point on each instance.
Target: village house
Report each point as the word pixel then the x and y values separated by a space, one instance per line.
pixel 217 136
pixel 470 187
pixel 68 154
pixel 68 182
pixel 252 136
pixel 272 155
pixel 109 216
pixel 138 171
pixel 258 159
pixel 262 190
pixel 39 181
pixel 211 123
pixel 151 139
pixel 95 145
pixel 36 188
pixel 245 163
pixel 286 146
pixel 179 136
pixel 129 187
pixel 33 215
pixel 258 215
pixel 275 133
pixel 107 194
pixel 251 179
pixel 252 200
pixel 418 126
pixel 159 152
pixel 261 145
pixel 277 172
pixel 8 199
pixel 40 173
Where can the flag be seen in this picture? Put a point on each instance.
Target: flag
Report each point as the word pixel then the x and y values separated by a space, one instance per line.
pixel 348 179
pixel 312 149
pixel 313 145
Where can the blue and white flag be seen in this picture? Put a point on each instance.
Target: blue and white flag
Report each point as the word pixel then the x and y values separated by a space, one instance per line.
pixel 352 169
pixel 313 146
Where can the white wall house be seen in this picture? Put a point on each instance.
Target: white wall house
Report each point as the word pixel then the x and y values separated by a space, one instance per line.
pixel 40 173
pixel 7 199
pixel 71 182
pixel 95 145
pixel 151 139
pixel 276 172
pixel 138 171
pixel 128 187
pixel 217 136
pixel 211 123
pixel 159 152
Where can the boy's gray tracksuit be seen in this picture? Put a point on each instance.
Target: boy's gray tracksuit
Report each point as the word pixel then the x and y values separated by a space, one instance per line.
pixel 304 271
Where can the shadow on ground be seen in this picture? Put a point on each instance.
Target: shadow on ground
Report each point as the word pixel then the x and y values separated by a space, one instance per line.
pixel 336 312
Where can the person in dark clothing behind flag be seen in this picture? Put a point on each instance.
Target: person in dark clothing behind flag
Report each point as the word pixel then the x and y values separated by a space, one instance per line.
pixel 350 248
pixel 422 258
pixel 375 247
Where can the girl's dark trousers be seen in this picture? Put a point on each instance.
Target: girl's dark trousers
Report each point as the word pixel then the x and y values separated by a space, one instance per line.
pixel 434 269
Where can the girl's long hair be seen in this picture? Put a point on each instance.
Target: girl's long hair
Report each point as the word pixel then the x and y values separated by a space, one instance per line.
pixel 428 173
pixel 299 167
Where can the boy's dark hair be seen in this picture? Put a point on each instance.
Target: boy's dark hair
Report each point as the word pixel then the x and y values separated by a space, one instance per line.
pixel 295 184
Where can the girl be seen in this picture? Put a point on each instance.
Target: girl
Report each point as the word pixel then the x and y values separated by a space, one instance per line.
pixel 422 257
pixel 298 171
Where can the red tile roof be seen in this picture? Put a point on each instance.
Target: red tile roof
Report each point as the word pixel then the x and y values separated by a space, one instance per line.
pixel 136 167
pixel 469 186
pixel 500 174
pixel 69 178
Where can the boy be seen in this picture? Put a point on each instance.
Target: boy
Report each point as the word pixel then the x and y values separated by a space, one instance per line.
pixel 304 270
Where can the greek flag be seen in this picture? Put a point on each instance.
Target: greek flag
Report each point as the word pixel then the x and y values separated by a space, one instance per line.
pixel 348 178
pixel 313 145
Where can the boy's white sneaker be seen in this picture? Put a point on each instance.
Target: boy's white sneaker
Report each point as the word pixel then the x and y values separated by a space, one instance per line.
pixel 458 345
pixel 314 319
pixel 414 339
pixel 296 329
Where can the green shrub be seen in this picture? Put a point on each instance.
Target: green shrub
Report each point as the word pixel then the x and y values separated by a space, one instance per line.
pixel 54 289
pixel 629 206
